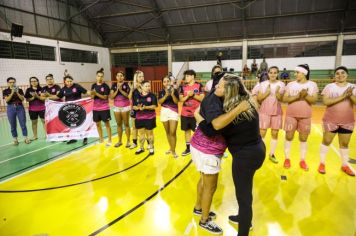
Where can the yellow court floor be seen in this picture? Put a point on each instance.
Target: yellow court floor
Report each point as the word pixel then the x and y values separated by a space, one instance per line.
pixel 98 190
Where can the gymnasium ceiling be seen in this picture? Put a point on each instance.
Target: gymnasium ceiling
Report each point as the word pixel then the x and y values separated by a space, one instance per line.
pixel 148 22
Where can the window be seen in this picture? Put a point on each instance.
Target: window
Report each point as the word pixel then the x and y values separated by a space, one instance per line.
pixel 29 51
pixel 349 47
pixel 134 59
pixel 198 54
pixel 81 56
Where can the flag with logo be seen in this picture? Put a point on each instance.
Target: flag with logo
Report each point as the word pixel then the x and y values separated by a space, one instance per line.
pixel 70 120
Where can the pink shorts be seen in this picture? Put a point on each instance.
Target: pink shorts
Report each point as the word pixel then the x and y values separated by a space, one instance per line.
pixel 332 126
pixel 273 122
pixel 302 125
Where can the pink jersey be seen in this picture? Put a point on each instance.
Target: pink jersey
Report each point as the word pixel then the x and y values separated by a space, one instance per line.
pixel 300 109
pixel 270 105
pixel 255 89
pixel 190 105
pixel 215 145
pixel 342 112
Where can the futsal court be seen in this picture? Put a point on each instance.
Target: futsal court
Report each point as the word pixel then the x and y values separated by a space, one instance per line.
pixel 51 188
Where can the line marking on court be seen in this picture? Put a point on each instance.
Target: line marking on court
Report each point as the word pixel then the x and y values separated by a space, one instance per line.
pixel 78 183
pixel 331 145
pixel 141 203
pixel 189 228
pixel 27 153
pixel 5 144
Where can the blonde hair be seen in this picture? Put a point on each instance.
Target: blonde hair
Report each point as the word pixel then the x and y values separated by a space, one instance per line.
pixel 135 82
pixel 235 93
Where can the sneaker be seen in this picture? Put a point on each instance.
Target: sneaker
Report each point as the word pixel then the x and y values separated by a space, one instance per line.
pixel 348 170
pixel 273 158
pixel 16 142
pixel 152 151
pixel 211 226
pixel 128 145
pixel 72 141
pixel 197 212
pixel 118 144
pixel 321 168
pixel 133 145
pixel 140 150
pixel 303 165
pixel 186 152
pixel 108 144
pixel 85 141
pixel 234 219
pixel 286 163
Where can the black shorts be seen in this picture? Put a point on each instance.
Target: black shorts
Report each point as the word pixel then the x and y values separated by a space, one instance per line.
pixel 133 113
pixel 188 123
pixel 35 114
pixel 341 131
pixel 148 124
pixel 101 116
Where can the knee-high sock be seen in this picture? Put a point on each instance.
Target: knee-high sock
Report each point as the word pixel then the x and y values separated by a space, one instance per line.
pixel 303 150
pixel 323 150
pixel 287 145
pixel 273 146
pixel 344 153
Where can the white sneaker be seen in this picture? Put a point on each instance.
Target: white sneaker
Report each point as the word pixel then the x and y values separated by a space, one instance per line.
pixel 133 146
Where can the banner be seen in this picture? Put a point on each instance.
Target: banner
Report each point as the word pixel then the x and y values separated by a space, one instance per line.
pixel 70 120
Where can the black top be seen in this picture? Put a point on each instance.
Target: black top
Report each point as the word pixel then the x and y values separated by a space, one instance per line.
pixel 73 93
pixel 124 87
pixel 51 90
pixel 102 89
pixel 15 99
pixel 136 93
pixel 169 100
pixel 36 101
pixel 243 133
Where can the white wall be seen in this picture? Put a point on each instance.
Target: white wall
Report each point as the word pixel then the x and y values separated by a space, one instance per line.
pixel 23 69
pixel 349 61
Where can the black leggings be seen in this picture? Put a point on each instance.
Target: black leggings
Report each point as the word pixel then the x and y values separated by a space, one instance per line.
pixel 245 162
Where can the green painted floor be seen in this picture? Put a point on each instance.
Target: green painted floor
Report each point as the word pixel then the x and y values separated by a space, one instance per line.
pixel 17 159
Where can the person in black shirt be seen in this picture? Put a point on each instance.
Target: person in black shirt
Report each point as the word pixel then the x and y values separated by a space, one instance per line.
pixel 101 109
pixel 71 92
pixel 233 113
pixel 51 88
pixel 144 105
pixel 36 106
pixel 168 98
pixel 14 97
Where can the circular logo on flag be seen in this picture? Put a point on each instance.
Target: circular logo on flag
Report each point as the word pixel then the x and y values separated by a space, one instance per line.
pixel 72 115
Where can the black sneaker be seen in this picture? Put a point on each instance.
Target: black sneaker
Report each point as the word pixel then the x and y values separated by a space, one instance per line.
pixel 139 151
pixel 211 226
pixel 186 152
pixel 71 141
pixel 234 219
pixel 212 214
pixel 85 141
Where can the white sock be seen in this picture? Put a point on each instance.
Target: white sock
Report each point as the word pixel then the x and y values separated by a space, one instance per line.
pixel 303 150
pixel 273 146
pixel 344 153
pixel 287 145
pixel 323 150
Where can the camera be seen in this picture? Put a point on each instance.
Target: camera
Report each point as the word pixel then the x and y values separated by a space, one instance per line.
pixel 16 89
pixel 169 89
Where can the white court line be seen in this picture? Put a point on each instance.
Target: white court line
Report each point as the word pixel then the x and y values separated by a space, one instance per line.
pixel 189 227
pixel 6 144
pixel 65 155
pixel 318 130
pixel 27 153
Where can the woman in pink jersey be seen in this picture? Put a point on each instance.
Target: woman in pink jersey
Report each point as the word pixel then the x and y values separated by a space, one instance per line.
pixel 269 95
pixel 101 110
pixel 168 97
pixel 120 93
pixel 36 106
pixel 339 97
pixel 299 95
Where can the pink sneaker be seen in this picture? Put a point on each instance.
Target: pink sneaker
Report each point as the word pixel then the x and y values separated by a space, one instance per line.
pixel 321 168
pixel 347 170
pixel 303 165
pixel 286 163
